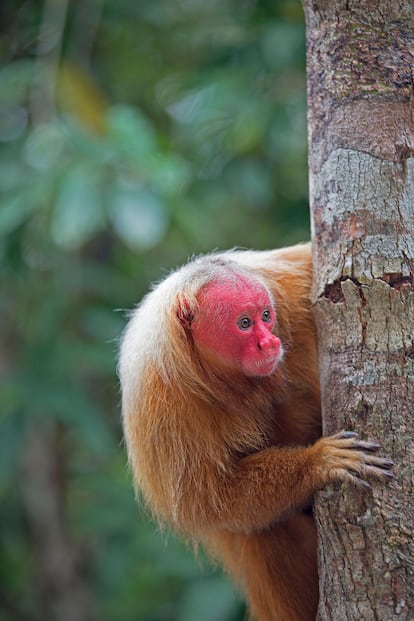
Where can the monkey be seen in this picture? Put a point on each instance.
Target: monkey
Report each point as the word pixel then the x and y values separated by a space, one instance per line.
pixel 221 412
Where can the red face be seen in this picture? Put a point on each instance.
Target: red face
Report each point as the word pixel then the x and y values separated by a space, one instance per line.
pixel 234 326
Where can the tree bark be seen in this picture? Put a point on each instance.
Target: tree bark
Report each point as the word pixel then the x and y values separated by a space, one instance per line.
pixel 361 147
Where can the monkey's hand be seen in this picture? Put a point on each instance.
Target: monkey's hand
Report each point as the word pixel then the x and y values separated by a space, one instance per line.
pixel 343 457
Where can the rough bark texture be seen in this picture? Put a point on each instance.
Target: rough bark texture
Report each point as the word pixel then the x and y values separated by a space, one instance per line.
pixel 361 133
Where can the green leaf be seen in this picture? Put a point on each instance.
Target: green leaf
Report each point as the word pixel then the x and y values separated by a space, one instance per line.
pixel 283 44
pixel 15 81
pixel 170 174
pixel 13 122
pixel 209 600
pixel 131 132
pixel 139 217
pixel 11 433
pixel 13 211
pixel 44 146
pixel 71 405
pixel 78 214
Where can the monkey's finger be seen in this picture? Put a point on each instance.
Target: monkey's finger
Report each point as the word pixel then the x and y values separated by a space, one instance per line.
pixel 386 464
pixel 373 460
pixel 356 455
pixel 346 435
pixel 357 460
pixel 349 439
pixel 375 472
pixel 367 446
pixel 359 476
pixel 370 470
pixel 346 476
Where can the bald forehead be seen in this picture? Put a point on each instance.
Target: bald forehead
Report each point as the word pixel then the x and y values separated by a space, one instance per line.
pixel 236 290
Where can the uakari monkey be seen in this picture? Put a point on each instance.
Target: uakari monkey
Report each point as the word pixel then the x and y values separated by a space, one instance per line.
pixel 221 413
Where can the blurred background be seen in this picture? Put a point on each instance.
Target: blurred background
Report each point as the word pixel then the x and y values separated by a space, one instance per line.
pixel 133 134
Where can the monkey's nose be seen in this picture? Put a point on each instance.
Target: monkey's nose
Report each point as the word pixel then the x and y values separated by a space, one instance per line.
pixel 270 343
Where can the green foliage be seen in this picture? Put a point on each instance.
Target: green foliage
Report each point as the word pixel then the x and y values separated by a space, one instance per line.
pixel 171 128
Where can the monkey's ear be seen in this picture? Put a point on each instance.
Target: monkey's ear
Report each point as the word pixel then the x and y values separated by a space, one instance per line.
pixel 185 314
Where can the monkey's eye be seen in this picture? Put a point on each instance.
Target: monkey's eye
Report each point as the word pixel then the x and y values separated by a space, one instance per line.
pixel 244 323
pixel 266 316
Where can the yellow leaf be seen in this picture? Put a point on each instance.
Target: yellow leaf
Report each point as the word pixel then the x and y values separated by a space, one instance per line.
pixel 79 96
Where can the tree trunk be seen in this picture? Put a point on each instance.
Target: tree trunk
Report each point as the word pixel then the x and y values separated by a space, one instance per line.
pixel 361 135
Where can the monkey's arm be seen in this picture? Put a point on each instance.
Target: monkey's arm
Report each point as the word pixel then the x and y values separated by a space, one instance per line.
pixel 267 485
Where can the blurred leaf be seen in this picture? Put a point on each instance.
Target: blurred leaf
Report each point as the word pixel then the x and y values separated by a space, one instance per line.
pixel 44 146
pixel 170 174
pixel 72 406
pixel 131 132
pixel 15 81
pixel 252 181
pixel 283 44
pixel 78 214
pixel 11 434
pixel 11 170
pixel 13 211
pixel 193 106
pixel 209 600
pixel 94 149
pixel 101 323
pixel 139 217
pixel 80 97
pixel 13 122
pixel 248 130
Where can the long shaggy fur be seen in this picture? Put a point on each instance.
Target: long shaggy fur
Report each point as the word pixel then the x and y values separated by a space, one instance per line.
pixel 202 445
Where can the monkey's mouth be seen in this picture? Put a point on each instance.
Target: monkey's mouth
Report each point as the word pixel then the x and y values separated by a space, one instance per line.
pixel 266 366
